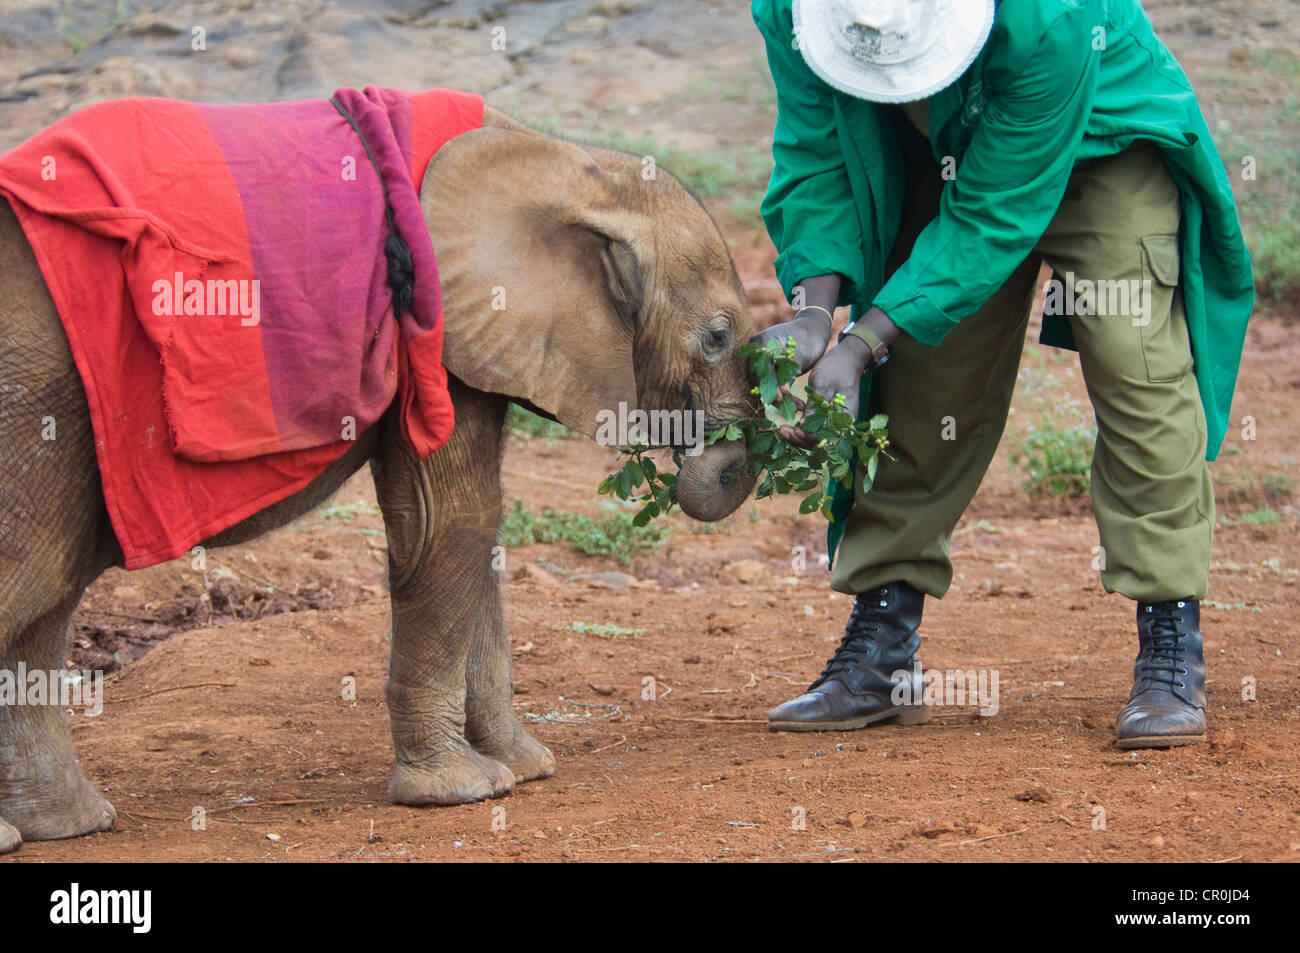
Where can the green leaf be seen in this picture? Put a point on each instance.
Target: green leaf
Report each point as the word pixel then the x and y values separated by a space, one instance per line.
pixel 635 474
pixel 780 466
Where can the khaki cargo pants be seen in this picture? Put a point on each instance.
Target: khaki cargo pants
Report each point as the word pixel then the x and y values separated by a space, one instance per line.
pixel 1151 488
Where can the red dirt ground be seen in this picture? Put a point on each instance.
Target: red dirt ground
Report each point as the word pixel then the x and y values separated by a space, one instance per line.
pixel 246 718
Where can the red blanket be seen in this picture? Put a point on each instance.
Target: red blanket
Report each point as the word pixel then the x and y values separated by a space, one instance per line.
pixel 221 275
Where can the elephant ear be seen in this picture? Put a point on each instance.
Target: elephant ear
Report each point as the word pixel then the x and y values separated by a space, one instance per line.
pixel 541 264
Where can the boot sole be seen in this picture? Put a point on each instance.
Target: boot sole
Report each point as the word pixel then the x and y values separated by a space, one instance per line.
pixel 918 717
pixel 1159 741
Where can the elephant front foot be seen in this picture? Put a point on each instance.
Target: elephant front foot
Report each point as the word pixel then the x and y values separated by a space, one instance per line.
pixel 10 839
pixel 457 776
pixel 526 757
pixel 66 810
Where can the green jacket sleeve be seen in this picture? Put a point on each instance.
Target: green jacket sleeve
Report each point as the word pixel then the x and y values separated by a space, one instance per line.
pixel 809 208
pixel 1040 81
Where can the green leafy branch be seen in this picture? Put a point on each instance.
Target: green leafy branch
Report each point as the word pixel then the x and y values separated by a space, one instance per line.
pixel 782 467
pixel 661 488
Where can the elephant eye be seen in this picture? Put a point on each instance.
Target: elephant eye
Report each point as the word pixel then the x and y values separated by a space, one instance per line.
pixel 712 338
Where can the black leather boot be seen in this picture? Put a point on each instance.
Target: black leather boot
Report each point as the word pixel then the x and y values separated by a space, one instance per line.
pixel 1167 704
pixel 857 686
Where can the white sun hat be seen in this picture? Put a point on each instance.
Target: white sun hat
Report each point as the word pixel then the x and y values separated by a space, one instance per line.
pixel 891 51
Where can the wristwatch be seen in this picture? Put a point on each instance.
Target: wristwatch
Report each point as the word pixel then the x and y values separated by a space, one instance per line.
pixel 879 349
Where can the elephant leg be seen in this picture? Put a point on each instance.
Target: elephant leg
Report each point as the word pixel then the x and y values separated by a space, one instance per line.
pixel 55 538
pixel 441 516
pixel 43 793
pixel 491 724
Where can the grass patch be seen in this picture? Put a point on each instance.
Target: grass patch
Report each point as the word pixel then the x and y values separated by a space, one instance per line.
pixel 1055 454
pixel 1252 488
pixel 349 511
pixel 1057 460
pixel 1255 118
pixel 606 630
pixel 1275 254
pixel 612 535
pixel 1261 516
pixel 521 422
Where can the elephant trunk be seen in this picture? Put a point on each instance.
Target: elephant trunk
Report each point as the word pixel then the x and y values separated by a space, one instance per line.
pixel 712 484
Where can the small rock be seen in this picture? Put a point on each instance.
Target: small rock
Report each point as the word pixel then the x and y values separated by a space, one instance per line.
pixel 530 572
pixel 1036 792
pixel 607 580
pixel 221 574
pixel 933 828
pixel 748 572
pixel 1223 739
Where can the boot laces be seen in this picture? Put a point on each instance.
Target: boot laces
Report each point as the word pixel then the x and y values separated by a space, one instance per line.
pixel 1163 649
pixel 859 635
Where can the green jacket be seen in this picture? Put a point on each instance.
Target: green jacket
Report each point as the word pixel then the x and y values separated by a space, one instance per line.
pixel 1058 81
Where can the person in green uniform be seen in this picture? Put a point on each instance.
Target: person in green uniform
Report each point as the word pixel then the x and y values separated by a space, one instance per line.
pixel 929 155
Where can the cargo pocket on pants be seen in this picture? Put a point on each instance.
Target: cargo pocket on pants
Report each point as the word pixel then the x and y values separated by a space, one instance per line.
pixel 1165 345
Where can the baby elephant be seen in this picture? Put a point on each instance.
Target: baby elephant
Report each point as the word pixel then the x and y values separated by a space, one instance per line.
pixel 621 291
